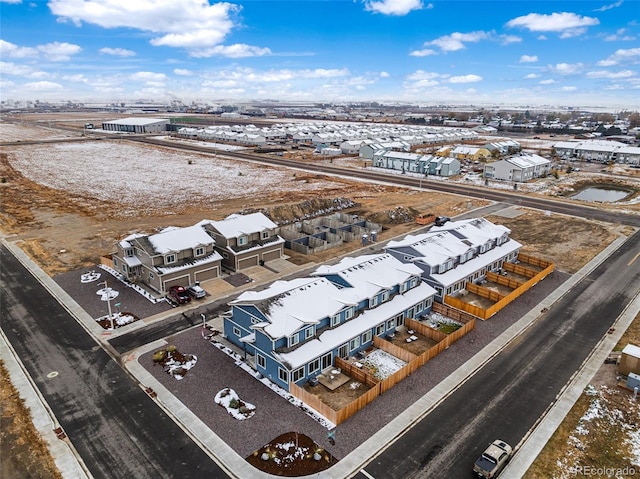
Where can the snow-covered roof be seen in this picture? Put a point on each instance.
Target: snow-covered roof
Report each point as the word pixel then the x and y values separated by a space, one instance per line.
pixel 333 338
pixel 527 160
pixel 180 239
pixel 126 243
pixel 290 305
pixel 631 350
pixel 454 238
pixel 371 273
pixel 212 258
pixel 137 121
pixel 237 225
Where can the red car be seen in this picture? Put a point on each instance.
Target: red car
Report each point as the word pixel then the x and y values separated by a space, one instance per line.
pixel 179 295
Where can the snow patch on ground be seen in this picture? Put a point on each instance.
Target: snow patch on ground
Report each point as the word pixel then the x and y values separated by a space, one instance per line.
pixel 382 364
pixel 144 180
pixel 230 400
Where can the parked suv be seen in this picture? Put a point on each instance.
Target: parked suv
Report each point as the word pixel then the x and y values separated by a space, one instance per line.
pixel 179 295
pixel 195 291
pixel 441 220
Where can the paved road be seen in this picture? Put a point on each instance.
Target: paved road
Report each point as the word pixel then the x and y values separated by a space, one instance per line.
pixel 508 395
pixel 117 429
pixel 563 207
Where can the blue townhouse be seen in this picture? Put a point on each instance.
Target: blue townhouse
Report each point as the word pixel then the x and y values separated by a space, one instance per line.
pixel 293 330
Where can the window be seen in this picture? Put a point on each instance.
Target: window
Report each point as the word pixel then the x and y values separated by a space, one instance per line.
pixel 115 262
pixel 170 258
pixel 225 255
pixel 314 365
pixel 414 282
pixel 385 296
pixel 354 343
pixel 379 329
pixel 348 313
pixel 124 268
pixel 242 240
pixel 403 287
pixel 265 234
pixel 391 323
pixel 151 276
pixel 298 374
pixel 326 360
pixel 130 252
pixel 283 375
pixel 236 331
pixel 308 333
pixel 293 340
pixel 262 362
pixel 373 302
pixel 366 337
pixel 200 251
pixel 335 320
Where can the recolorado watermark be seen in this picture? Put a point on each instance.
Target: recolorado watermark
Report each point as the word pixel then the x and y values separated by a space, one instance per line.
pixel 594 471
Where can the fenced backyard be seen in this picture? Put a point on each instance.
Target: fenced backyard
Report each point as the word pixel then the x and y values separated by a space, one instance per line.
pixel 520 277
pixel 364 385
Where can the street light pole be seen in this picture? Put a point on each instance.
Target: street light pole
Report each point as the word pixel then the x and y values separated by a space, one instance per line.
pixel 106 288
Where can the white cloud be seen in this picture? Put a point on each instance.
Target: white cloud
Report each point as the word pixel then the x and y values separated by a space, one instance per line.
pixel 423 75
pixel 547 82
pixel 465 79
pixel 10 1
pixel 58 52
pixel 631 55
pixel 423 53
pixel 26 71
pixel 42 87
pixel 620 36
pixel 148 77
pixel 182 72
pixel 190 24
pixel 565 23
pixel 508 39
pixel 238 50
pixel 528 58
pixel 118 52
pixel 394 7
pixel 611 75
pixel 384 75
pixel 568 88
pixel 532 76
pixel 604 8
pixel 10 50
pixel 456 41
pixel 77 78
pixel 566 68
pixel 55 51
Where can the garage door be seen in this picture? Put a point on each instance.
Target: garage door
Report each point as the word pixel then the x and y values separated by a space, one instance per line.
pixel 184 281
pixel 208 274
pixel 271 255
pixel 245 263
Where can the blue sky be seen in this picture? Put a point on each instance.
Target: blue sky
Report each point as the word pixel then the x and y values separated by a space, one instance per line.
pixel 515 52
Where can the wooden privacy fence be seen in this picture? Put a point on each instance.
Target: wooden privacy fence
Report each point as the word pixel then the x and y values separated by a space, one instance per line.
pixel 380 386
pixel 501 300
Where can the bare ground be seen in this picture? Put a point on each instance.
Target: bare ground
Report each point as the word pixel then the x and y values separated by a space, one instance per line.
pixel 63 231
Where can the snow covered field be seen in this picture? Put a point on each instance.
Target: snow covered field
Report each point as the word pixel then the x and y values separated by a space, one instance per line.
pixel 144 180
pixel 10 132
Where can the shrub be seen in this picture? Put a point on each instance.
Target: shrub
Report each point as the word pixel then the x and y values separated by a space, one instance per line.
pixel 234 403
pixel 171 348
pixel 159 356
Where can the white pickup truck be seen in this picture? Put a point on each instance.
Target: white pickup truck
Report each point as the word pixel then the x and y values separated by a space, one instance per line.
pixel 493 459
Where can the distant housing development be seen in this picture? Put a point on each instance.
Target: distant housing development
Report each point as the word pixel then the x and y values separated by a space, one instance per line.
pixel 601 151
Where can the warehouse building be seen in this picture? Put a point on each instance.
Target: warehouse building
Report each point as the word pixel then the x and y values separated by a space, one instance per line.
pixel 137 125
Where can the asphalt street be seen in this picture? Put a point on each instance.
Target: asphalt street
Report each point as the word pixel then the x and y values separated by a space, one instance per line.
pixel 118 430
pixel 506 397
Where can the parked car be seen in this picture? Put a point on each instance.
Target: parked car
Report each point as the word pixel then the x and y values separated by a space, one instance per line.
pixel 195 291
pixel 493 459
pixel 179 295
pixel 441 220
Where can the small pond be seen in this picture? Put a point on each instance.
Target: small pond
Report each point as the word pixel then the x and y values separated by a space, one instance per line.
pixel 603 194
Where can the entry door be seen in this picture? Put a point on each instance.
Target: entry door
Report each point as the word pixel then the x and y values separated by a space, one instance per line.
pixel 343 351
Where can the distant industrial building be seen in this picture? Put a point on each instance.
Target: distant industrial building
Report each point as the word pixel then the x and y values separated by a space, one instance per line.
pixel 137 125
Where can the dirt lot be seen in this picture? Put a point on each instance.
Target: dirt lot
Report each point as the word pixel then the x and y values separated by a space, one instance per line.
pixel 66 224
